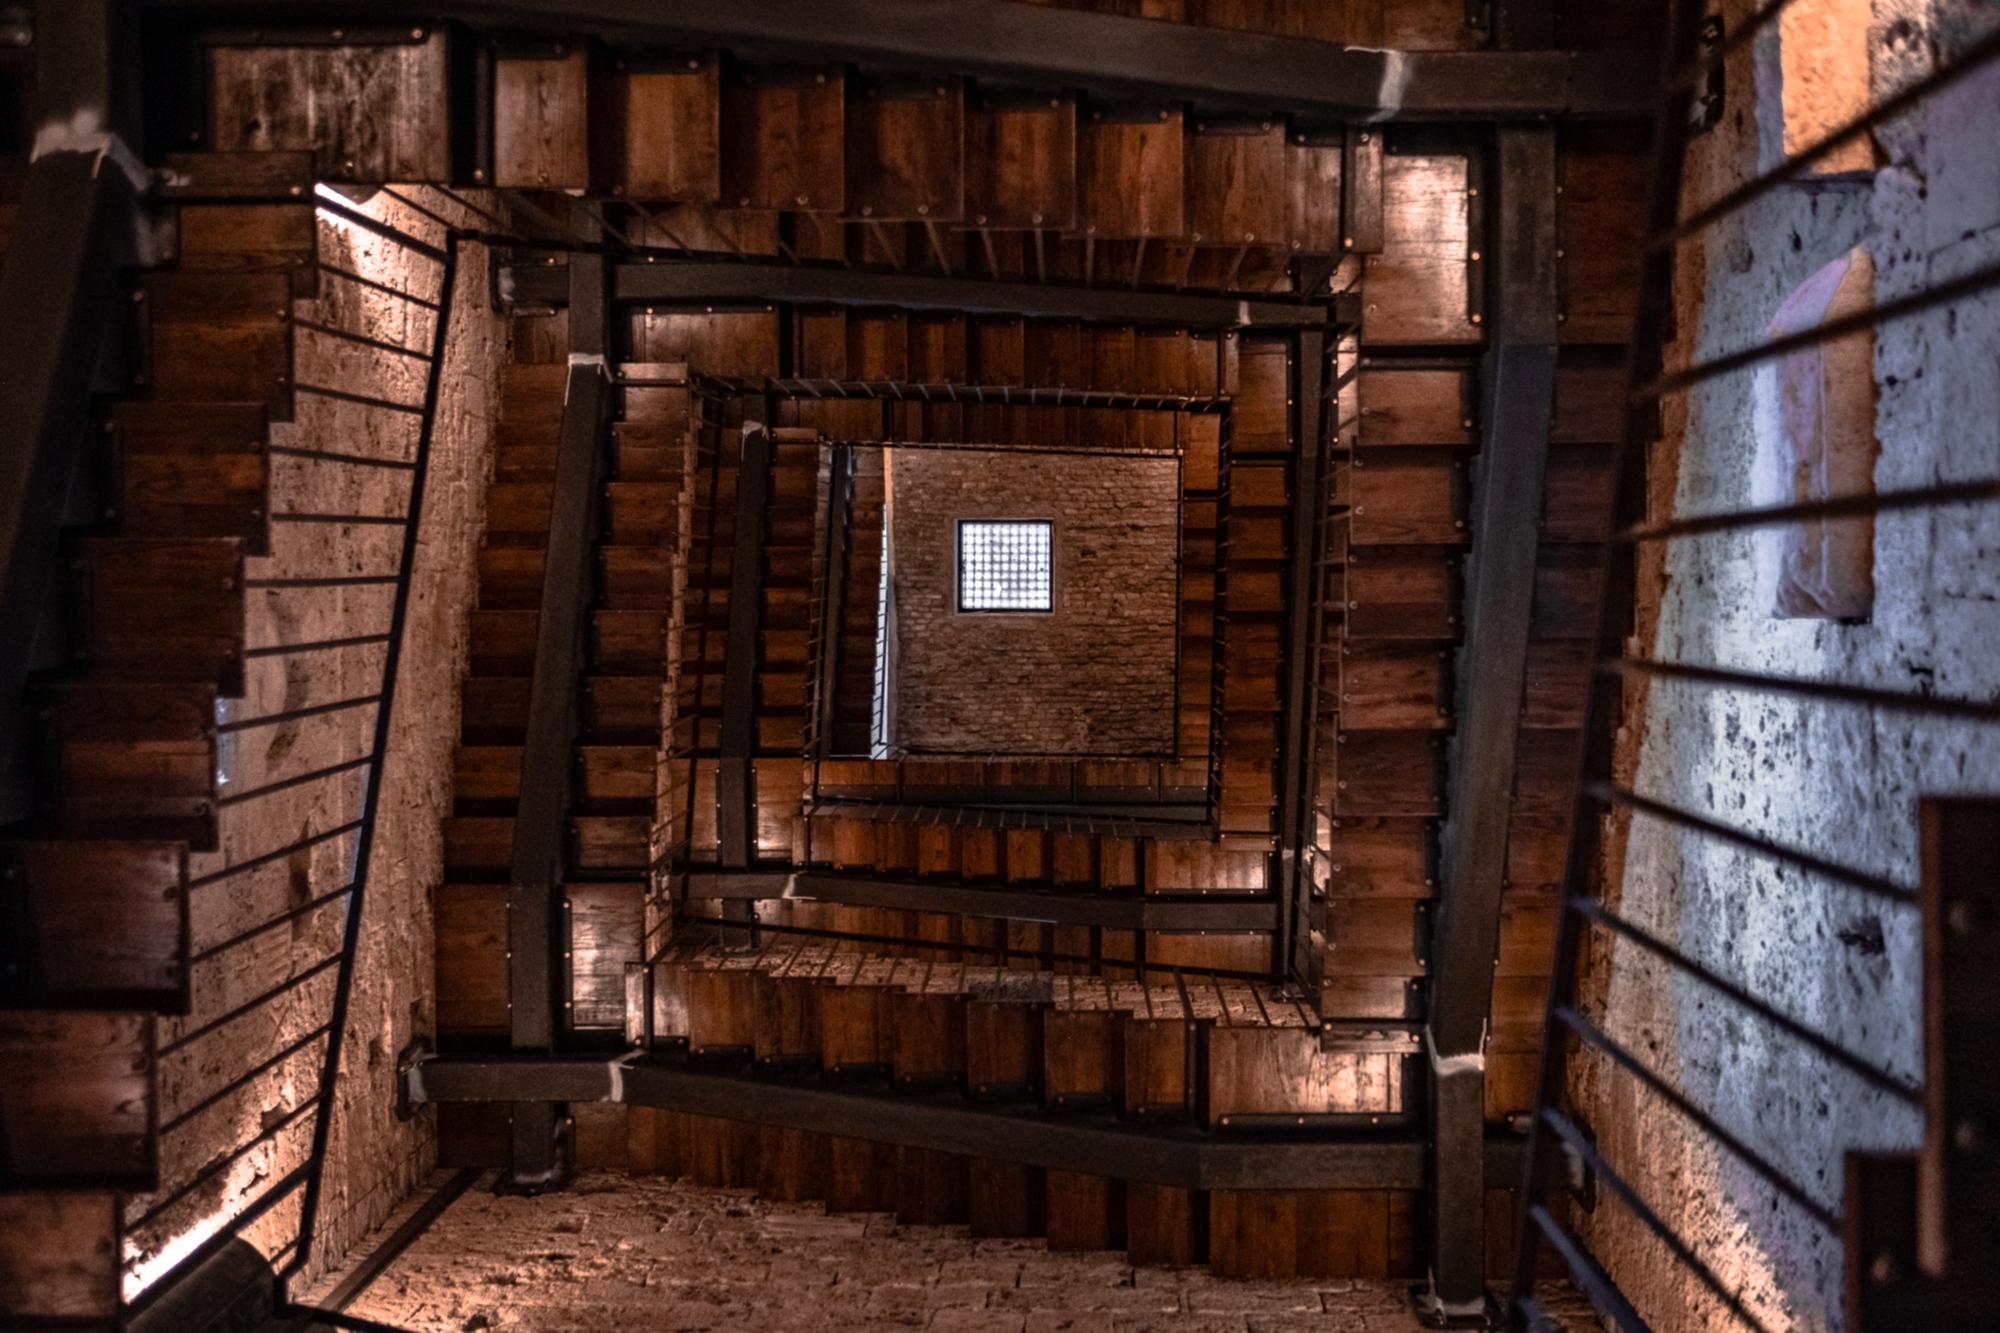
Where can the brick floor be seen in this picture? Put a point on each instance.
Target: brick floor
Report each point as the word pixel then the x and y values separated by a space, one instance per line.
pixel 618 1252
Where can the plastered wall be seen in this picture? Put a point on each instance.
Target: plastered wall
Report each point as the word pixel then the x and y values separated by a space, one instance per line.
pixel 1839 781
pixel 1096 676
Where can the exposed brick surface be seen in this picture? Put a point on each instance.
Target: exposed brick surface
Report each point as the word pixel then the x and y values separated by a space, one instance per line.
pixel 622 1252
pixel 1096 676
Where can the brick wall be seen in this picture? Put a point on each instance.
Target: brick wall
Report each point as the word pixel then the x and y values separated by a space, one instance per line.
pixel 1097 675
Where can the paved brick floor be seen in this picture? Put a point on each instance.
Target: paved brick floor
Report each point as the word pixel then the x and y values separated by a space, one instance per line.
pixel 618 1253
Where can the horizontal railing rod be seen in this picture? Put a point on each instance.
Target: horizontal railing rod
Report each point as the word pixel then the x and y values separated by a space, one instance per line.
pixel 331 456
pixel 1589 1275
pixel 1971 284
pixel 353 520
pixel 1650 1219
pixel 340 581
pixel 187 1039
pixel 362 339
pixel 266 858
pixel 316 646
pixel 364 399
pixel 283 1187
pixel 1846 506
pixel 264 927
pixel 1589 1033
pixel 286 784
pixel 1975 57
pixel 293 715
pixel 169 1126
pixel 1969 709
pixel 214 1168
pixel 1687 819
pixel 385 288
pixel 1901 1088
pixel 414 244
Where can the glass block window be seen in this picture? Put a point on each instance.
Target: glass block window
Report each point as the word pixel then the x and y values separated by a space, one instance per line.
pixel 1004 565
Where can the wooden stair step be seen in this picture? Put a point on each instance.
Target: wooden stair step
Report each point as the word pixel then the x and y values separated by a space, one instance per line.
pixel 77 1100
pixel 109 921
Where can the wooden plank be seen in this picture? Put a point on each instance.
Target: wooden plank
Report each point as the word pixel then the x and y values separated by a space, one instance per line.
pixel 369 113
pixel 1165 1225
pixel 1393 687
pixel 1007 1199
pixel 1236 181
pixel 1415 291
pixel 1407 497
pixel 671 116
pixel 193 470
pixel 1401 594
pixel 471 959
pixel 1131 172
pixel 1313 188
pixel 1381 858
pixel 167 610
pixel 1085 1212
pixel 783 138
pixel 109 922
pixel 606 923
pixel 541 118
pixel 1415 406
pixel 1021 163
pixel 906 149
pixel 136 762
pixel 60 1259
pixel 77 1101
pixel 1389 773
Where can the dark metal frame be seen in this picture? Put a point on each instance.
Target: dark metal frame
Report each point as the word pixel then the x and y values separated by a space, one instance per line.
pixel 1116 55
pixel 1368 1154
pixel 1878 1219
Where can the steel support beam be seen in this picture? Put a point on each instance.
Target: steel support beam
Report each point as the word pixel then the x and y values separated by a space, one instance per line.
pixel 1519 401
pixel 1148 912
pixel 833 595
pixel 1301 660
pixel 681 281
pixel 59 309
pixel 735 785
pixel 536 977
pixel 1217 67
pixel 1167 1154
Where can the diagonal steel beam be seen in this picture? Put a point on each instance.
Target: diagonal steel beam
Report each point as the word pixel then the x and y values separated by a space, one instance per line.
pixel 1500 585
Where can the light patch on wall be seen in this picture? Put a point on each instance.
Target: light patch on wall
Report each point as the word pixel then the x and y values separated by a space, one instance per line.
pixel 1815 428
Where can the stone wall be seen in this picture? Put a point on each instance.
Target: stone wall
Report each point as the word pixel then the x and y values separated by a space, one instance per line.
pixel 1836 780
pixel 1094 677
pixel 373 1158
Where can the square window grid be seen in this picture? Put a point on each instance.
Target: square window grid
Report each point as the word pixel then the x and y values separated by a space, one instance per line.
pixel 1004 566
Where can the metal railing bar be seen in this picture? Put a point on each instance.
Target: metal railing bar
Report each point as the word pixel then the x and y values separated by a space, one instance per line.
pixel 1732 42
pixel 1592 1035
pixel 471 207
pixel 293 715
pixel 1969 709
pixel 1975 57
pixel 1598 914
pixel 1847 506
pixel 1969 285
pixel 168 1126
pixel 229 871
pixel 1652 1221
pixel 326 202
pixel 1587 1274
pixel 366 400
pixel 379 344
pixel 343 581
pixel 416 207
pixel 283 918
pixel 263 1204
pixel 357 520
pixel 318 645
pixel 383 287
pixel 286 784
pixel 214 1168
pixel 188 1038
pixel 1687 819
pixel 329 456
pixel 365 844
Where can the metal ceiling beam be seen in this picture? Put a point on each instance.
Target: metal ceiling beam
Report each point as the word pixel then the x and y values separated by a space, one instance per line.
pixel 1043 46
pixel 680 282
pixel 1139 912
pixel 1167 1154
